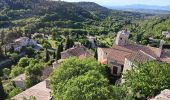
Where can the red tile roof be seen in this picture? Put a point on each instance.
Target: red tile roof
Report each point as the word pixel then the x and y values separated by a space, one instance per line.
pixel 119 53
pixel 139 57
pixel 39 91
pixel 80 52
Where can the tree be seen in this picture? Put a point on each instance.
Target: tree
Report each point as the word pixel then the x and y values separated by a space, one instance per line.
pixel 59 50
pixel 33 73
pixel 54 55
pixel 54 36
pixel 6 72
pixel 29 51
pixel 23 62
pixel 16 71
pixel 2 92
pixel 14 57
pixel 147 80
pixel 81 79
pixel 14 92
pixel 12 49
pixel 69 43
pixel 46 46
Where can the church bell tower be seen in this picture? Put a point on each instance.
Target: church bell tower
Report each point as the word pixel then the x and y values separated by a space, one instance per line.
pixel 122 38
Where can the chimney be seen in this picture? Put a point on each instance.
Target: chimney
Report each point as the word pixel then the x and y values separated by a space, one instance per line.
pixel 162 42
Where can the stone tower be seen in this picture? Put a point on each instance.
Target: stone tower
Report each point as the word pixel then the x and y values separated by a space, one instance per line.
pixel 122 38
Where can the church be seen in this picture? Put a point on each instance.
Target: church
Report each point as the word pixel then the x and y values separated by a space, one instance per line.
pixel 123 55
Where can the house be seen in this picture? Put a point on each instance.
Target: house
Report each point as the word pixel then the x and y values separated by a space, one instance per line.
pixel 166 34
pixel 19 81
pixel 40 91
pixel 123 54
pixel 23 41
pixel 79 51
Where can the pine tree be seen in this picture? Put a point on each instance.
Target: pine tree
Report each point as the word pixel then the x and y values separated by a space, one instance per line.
pixel 59 50
pixel 54 55
pixel 2 92
pixel 69 43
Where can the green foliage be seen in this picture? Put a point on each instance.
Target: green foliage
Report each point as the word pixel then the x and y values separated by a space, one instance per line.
pixel 15 71
pixel 6 72
pixel 14 92
pixel 33 73
pixel 69 43
pixel 81 80
pixel 59 50
pixel 14 57
pixel 3 94
pixel 148 79
pixel 23 62
pixel 46 46
pixel 153 27
pixel 29 51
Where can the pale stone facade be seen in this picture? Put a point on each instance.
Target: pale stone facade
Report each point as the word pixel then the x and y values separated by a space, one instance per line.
pixel 123 55
pixel 23 41
pixel 19 81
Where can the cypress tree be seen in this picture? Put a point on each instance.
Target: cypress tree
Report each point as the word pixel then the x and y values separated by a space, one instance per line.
pixel 54 55
pixel 69 43
pixel 59 50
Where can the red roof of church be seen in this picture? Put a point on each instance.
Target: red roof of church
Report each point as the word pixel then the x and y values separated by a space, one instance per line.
pixel 133 52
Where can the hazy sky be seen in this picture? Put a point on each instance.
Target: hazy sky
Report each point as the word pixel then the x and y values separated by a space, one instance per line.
pixel 127 2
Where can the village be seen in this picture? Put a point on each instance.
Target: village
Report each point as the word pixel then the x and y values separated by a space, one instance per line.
pixel 122 56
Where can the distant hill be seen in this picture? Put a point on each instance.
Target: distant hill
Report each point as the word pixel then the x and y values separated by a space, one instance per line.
pixel 17 9
pixel 94 8
pixel 151 9
pixel 59 10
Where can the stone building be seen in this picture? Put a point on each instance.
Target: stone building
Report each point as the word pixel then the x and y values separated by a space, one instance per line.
pixel 123 54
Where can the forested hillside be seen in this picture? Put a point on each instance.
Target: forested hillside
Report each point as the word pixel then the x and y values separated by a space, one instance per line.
pixel 150 28
pixel 62 18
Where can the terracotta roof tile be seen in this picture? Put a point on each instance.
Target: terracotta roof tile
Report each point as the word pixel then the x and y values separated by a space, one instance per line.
pixel 139 57
pixel 80 52
pixel 39 91
pixel 119 53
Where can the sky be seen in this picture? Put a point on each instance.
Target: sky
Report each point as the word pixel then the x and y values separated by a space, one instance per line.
pixel 126 2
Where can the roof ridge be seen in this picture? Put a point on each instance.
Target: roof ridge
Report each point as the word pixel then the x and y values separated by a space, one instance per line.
pixel 147 54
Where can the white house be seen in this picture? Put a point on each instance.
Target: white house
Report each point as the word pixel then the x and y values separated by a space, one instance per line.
pixel 23 41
